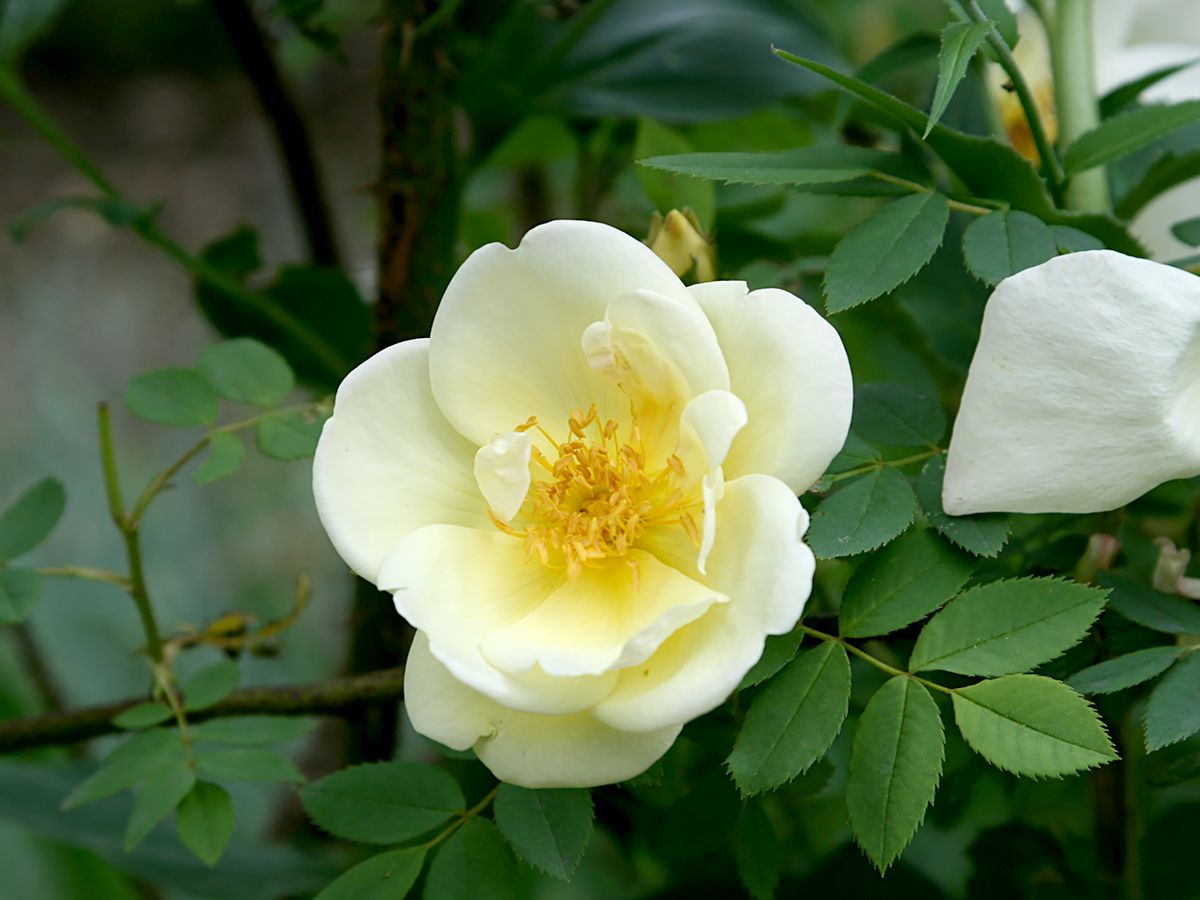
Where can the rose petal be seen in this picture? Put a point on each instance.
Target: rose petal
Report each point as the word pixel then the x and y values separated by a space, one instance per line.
pixel 789 367
pixel 506 341
pixel 388 462
pixel 760 563
pixel 502 472
pixel 525 749
pixel 1084 392
pixel 457 585
pixel 608 618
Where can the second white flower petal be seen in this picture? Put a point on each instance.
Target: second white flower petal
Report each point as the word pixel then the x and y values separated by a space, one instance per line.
pixel 1084 392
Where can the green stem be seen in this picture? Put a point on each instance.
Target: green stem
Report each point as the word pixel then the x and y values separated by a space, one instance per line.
pixel 1054 172
pixel 14 92
pixel 974 208
pixel 1075 97
pixel 873 660
pixel 885 463
pixel 129 534
pixel 463 818
pixel 160 481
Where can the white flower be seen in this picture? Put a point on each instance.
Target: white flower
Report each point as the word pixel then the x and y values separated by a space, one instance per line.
pixel 1084 392
pixel 582 492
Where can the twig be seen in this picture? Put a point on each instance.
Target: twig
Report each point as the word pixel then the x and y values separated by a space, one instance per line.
pixel 1054 172
pixel 334 697
pixel 129 534
pixel 291 135
pixel 14 92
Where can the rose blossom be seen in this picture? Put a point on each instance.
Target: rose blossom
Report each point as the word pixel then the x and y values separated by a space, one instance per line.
pixel 581 491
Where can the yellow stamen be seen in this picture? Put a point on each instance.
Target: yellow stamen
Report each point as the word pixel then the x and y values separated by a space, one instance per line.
pixel 597 498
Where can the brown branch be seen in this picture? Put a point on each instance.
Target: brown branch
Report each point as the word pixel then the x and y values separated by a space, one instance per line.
pixel 291 135
pixel 338 696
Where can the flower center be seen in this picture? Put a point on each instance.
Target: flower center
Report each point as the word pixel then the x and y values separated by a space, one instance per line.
pixel 594 500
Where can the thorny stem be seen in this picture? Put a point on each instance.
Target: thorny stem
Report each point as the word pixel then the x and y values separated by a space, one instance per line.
pixel 282 116
pixel 1054 172
pixel 13 91
pixel 337 696
pixel 873 660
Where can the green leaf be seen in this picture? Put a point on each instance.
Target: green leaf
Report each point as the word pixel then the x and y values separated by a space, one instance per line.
pixel 983 535
pixel 1001 244
pixel 855 454
pixel 1153 609
pixel 898 415
pixel 324 301
pixel 144 715
pixel 383 803
pixel 701 821
pixel 173 397
pixel 895 766
pixel 117 212
pixel 885 250
pixel 1124 96
pixel 21 23
pixel 1188 231
pixel 986 166
pixel 1123 134
pixel 290 435
pixel 31 518
pixel 388 876
pixel 549 829
pixel 960 41
pixel 1007 626
pixel 778 651
pixel 19 593
pixel 758 857
pixel 156 798
pixel 1161 176
pixel 143 755
pixel 247 764
pixel 863 515
pixel 225 455
pixel 204 821
pixel 1072 240
pixel 252 729
pixel 210 685
pixel 247 371
pixel 1031 725
pixel 906 581
pixel 801 168
pixel 1122 672
pixel 473 864
pixel 791 724
pixel 666 190
pixel 1173 712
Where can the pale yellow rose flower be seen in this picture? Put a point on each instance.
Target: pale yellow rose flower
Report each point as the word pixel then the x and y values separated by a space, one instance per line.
pixel 581 490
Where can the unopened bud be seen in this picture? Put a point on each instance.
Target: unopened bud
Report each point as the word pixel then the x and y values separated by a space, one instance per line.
pixel 679 241
pixel 1169 570
pixel 1101 553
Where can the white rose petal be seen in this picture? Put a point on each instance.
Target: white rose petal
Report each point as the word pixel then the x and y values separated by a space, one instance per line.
pixel 1084 392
